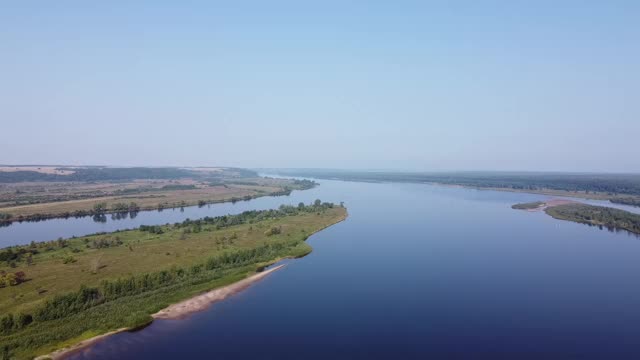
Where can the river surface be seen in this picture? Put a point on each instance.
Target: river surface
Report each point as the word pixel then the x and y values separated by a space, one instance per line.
pixel 416 271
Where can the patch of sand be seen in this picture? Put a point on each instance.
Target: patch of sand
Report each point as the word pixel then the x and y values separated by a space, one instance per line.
pixel 552 203
pixel 201 302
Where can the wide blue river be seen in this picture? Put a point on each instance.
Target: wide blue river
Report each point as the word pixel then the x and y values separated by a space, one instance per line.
pixel 416 271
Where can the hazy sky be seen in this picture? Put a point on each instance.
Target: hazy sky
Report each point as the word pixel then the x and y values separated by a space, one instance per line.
pixel 424 85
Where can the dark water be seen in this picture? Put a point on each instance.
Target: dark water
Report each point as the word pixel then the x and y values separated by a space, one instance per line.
pixel 417 271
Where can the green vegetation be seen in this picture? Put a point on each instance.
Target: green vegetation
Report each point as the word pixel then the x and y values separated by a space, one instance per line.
pixel 613 219
pixel 11 278
pixel 626 201
pixel 528 206
pixel 73 289
pixel 96 174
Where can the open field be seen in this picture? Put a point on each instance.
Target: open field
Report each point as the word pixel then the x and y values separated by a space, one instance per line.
pixel 119 279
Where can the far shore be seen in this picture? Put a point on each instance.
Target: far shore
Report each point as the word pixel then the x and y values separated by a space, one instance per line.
pixel 175 311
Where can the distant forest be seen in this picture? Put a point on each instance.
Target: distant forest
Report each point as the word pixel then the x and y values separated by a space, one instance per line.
pixel 612 184
pixel 115 174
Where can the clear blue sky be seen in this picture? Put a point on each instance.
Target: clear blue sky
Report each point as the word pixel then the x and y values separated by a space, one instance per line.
pixel 424 85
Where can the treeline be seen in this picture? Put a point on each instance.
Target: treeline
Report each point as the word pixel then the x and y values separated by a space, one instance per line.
pixel 602 183
pixel 98 210
pixel 139 190
pixel 251 216
pixel 69 304
pixel 613 219
pixel 97 174
pixel 305 184
pixel 626 201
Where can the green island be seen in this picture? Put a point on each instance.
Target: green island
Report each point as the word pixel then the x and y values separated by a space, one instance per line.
pixel 529 206
pixel 604 217
pixel 58 293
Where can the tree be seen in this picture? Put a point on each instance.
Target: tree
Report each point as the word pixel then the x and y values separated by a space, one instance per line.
pixel 133 207
pixel 100 208
pixel 317 203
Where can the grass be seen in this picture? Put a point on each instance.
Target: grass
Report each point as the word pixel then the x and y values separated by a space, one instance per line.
pixel 141 252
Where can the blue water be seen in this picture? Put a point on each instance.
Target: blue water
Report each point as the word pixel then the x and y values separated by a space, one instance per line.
pixel 416 271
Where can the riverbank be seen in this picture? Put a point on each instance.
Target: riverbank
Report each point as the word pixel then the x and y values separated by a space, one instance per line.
pixel 146 196
pixel 178 310
pixel 129 275
pixel 204 301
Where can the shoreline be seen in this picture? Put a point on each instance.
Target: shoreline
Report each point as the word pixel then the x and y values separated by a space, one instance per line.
pixel 175 311
pixel 203 301
pixel 53 216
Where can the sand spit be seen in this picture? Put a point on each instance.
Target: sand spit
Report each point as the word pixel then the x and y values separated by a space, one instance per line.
pixel 203 301
pixel 553 202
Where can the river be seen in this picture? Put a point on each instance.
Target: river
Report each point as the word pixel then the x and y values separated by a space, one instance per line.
pixel 416 271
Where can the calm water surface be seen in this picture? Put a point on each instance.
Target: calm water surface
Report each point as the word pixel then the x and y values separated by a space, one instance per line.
pixel 416 271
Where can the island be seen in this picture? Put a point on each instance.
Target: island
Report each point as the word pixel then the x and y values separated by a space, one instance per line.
pixel 59 293
pixel 601 216
pixel 34 193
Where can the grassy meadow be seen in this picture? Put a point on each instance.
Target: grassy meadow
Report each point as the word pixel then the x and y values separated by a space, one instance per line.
pixel 81 287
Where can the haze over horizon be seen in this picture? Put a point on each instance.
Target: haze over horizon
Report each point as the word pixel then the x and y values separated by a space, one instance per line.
pixel 502 85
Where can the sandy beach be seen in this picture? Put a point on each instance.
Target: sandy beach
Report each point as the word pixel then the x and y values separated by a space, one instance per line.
pixel 553 202
pixel 203 301
pixel 176 311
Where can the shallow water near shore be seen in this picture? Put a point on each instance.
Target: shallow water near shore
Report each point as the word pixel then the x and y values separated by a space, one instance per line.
pixel 416 271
